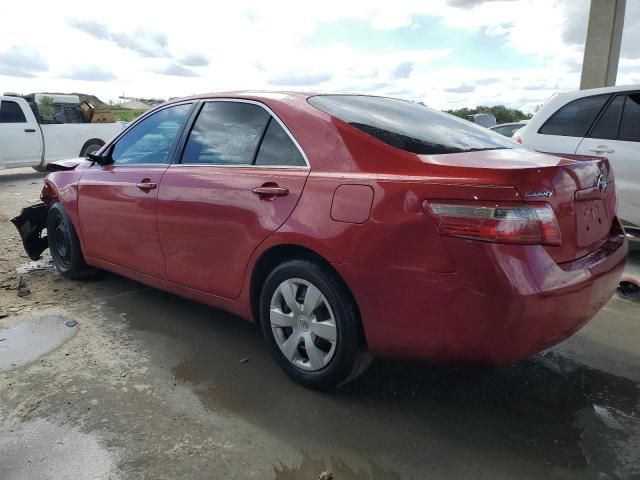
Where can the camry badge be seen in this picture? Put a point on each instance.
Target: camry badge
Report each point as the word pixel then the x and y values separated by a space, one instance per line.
pixel 542 194
pixel 601 183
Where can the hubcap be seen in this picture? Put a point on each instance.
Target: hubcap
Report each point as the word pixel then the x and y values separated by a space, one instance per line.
pixel 303 324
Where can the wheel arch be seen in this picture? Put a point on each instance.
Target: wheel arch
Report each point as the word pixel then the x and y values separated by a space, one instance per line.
pixel 89 142
pixel 280 253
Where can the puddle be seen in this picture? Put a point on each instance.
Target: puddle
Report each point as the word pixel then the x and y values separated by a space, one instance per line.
pixel 44 264
pixel 334 468
pixel 28 341
pixel 548 417
pixel 37 448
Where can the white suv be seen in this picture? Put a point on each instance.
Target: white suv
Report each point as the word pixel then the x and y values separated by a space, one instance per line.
pixel 598 122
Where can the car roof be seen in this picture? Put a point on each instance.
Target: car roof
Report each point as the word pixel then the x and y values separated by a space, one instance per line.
pixel 599 91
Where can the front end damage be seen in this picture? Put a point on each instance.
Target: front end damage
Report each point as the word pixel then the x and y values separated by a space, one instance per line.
pixel 30 224
pixel 32 221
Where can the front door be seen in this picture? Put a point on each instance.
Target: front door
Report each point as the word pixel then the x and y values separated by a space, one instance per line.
pixel 20 137
pixel 240 177
pixel 117 203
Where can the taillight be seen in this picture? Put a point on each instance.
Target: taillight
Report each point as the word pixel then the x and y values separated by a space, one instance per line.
pixel 526 224
pixel 517 138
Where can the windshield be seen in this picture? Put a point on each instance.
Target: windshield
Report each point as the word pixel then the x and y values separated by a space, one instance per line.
pixel 410 126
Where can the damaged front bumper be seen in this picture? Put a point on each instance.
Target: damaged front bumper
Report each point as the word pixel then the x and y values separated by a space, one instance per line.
pixel 30 224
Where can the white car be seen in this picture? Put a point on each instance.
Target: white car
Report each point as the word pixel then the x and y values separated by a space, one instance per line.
pixel 26 142
pixel 508 129
pixel 603 122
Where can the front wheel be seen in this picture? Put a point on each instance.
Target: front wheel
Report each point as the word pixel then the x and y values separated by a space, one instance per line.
pixel 312 326
pixel 64 244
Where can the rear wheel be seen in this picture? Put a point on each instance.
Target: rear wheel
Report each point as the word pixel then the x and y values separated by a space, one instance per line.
pixel 312 326
pixel 91 147
pixel 64 244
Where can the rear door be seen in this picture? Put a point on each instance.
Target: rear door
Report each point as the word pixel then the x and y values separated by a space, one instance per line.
pixel 565 129
pixel 616 136
pixel 117 203
pixel 20 138
pixel 240 177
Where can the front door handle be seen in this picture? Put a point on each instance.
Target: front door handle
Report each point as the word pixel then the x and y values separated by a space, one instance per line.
pixel 271 191
pixel 146 185
pixel 30 130
pixel 602 149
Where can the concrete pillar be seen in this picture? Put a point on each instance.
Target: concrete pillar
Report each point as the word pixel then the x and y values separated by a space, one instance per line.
pixel 602 48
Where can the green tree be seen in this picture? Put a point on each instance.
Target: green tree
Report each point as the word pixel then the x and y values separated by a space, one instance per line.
pixel 503 114
pixel 45 106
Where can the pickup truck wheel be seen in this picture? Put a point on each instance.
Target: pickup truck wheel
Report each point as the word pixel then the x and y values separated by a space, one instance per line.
pixel 312 325
pixel 64 244
pixel 91 147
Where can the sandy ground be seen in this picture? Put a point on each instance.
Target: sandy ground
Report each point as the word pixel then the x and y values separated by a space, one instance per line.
pixel 150 386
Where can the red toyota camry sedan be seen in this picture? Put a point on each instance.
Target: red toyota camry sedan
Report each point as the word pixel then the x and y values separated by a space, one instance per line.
pixel 348 226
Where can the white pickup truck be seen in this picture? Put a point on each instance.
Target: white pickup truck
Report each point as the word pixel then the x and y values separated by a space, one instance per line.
pixel 27 142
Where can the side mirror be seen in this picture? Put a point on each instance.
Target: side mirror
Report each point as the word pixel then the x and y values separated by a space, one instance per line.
pixel 100 159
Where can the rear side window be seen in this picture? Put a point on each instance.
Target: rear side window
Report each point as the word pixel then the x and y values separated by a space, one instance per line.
pixel 10 112
pixel 277 148
pixel 226 133
pixel 575 118
pixel 630 124
pixel 607 126
pixel 410 126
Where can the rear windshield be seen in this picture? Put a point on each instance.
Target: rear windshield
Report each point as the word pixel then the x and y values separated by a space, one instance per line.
pixel 410 126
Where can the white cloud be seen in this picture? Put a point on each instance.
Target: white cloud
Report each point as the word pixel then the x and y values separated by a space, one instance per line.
pixel 199 46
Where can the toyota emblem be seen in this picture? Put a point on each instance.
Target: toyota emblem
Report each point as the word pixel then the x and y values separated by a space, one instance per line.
pixel 601 183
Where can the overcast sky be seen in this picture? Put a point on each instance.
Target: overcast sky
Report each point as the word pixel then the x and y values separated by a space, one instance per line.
pixel 447 53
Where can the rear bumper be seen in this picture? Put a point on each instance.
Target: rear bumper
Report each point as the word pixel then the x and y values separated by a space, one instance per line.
pixel 504 302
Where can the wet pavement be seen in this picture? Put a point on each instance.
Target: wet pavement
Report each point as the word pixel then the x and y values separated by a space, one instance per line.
pixel 28 341
pixel 549 416
pixel 149 385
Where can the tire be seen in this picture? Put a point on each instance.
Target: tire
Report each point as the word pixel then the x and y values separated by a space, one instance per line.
pixel 91 147
pixel 323 347
pixel 64 245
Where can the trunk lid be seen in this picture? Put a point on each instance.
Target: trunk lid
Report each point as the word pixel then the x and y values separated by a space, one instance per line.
pixel 581 193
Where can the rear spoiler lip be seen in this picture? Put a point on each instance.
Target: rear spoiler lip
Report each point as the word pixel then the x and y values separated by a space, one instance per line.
pixel 575 156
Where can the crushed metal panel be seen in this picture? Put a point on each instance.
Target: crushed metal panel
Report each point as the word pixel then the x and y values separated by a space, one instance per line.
pixel 30 224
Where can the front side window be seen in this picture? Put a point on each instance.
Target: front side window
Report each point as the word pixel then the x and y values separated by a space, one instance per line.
pixel 10 112
pixel 410 126
pixel 278 149
pixel 226 133
pixel 150 140
pixel 630 124
pixel 575 118
pixel 607 126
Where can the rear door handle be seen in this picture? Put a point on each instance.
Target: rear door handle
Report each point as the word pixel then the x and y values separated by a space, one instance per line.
pixel 30 130
pixel 268 191
pixel 602 149
pixel 146 185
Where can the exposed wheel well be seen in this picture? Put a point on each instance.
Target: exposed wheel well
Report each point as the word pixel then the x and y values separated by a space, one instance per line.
pixel 90 142
pixel 281 253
